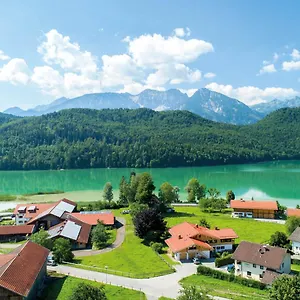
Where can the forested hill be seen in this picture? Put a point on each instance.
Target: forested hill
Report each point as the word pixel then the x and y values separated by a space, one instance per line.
pixel 4 118
pixel 82 138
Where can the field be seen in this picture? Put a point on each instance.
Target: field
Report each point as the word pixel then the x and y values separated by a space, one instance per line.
pixel 62 288
pixel 246 229
pixel 229 290
pixel 131 259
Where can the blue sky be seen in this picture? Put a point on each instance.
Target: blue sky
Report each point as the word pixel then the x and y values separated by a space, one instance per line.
pixel 245 49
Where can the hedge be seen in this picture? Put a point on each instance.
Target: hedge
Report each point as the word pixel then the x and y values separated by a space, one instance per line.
pixel 223 261
pixel 201 270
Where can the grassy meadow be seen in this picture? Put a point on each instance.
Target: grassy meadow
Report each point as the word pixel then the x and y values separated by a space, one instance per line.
pixel 62 287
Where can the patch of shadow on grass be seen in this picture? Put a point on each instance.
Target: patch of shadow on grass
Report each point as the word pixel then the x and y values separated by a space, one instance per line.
pixel 180 215
pixel 53 288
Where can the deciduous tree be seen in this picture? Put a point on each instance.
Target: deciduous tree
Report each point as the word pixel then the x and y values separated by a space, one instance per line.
pixel 285 288
pixel 62 250
pixel 42 238
pixel 193 293
pixel 149 220
pixel 167 194
pixel 279 239
pixel 230 196
pixel 108 192
pixel 85 291
pixel 99 236
pixel 195 190
pixel 291 224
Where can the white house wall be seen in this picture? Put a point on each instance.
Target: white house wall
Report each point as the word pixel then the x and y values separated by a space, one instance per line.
pixel 296 247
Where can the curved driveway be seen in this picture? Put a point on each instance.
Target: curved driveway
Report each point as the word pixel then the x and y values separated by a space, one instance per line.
pixel 117 243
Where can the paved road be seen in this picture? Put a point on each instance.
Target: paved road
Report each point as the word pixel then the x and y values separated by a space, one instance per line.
pixel 9 245
pixel 117 243
pixel 154 288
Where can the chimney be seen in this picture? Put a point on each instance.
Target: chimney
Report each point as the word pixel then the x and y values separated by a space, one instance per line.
pixel 179 237
pixel 217 228
pixel 196 225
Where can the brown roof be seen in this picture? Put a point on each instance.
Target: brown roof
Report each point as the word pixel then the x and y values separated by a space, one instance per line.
pixel 265 205
pixel 269 277
pixel 40 207
pixel 267 256
pixel 293 212
pixel 295 236
pixel 92 219
pixel 16 229
pixel 20 268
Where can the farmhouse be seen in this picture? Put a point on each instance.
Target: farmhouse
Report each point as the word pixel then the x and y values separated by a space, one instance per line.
pixel 15 232
pixel 43 215
pixel 22 272
pixel 295 239
pixel 74 230
pixel 254 209
pixel 261 262
pixel 293 212
pixel 190 240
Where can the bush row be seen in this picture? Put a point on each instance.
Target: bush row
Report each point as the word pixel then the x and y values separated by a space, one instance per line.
pixel 223 261
pixel 201 270
pixel 296 261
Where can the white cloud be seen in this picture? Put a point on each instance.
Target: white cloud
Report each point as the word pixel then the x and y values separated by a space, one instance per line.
pixel 151 61
pixel 275 57
pixel 251 95
pixel 295 54
pixel 3 56
pixel 154 50
pixel 15 71
pixel 49 80
pixel 267 69
pixel 182 32
pixel 173 74
pixel 119 70
pixel 209 75
pixel 291 65
pixel 58 50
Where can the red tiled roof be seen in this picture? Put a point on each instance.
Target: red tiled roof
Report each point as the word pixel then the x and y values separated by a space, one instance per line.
pixel 265 205
pixel 184 229
pixel 40 207
pixel 293 212
pixel 20 268
pixel 177 244
pixel 16 229
pixel 92 219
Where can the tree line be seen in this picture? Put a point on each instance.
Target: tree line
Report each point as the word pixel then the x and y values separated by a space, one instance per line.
pixel 83 138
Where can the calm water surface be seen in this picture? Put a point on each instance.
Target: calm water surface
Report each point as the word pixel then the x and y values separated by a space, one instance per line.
pixel 275 180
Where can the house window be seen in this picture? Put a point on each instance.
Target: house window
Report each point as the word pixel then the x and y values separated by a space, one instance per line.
pixel 20 217
pixel 248 273
pixel 261 267
pixel 282 266
pixel 261 276
pixel 254 265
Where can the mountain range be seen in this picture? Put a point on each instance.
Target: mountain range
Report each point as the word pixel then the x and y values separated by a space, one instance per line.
pixel 205 103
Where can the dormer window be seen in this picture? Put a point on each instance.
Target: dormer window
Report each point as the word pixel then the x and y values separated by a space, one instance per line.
pixel 22 209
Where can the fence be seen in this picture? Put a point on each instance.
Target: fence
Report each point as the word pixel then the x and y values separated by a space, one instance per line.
pixel 121 273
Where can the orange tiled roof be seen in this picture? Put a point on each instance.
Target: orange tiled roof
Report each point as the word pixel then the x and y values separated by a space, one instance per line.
pixel 20 268
pixel 265 205
pixel 92 219
pixel 190 230
pixel 177 244
pixel 16 229
pixel 293 212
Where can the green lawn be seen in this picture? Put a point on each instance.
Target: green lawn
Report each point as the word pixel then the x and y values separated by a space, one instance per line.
pixel 246 229
pixel 62 288
pixel 230 290
pixel 112 237
pixel 131 257
pixel 295 268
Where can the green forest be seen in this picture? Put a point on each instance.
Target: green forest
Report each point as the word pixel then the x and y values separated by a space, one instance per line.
pixel 83 138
